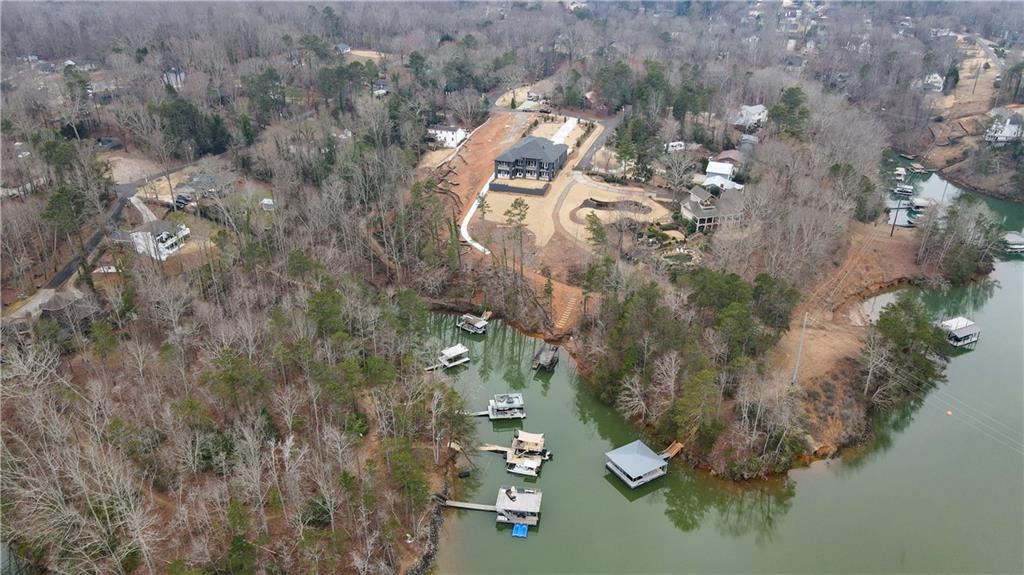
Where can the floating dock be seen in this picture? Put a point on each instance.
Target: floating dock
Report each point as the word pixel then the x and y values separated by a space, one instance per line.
pixel 472 324
pixel 514 505
pixel 546 357
pixel 457 354
pixel 507 406
pixel 961 332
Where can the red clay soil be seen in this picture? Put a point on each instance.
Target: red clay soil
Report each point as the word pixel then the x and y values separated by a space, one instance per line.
pixel 465 174
pixel 870 263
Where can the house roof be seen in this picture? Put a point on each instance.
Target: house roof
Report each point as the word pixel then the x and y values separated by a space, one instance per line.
pixel 700 193
pixel 719 168
pixel 730 156
pixel 636 459
pixel 728 204
pixel 535 148
pixel 157 227
pixel 721 183
pixel 440 128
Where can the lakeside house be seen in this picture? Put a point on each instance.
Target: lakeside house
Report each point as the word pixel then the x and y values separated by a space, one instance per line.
pixel 1006 130
pixel 720 183
pixel 933 82
pixel 175 78
pixel 157 239
pixel 734 157
pixel 531 158
pixel 708 211
pixel 342 48
pixel 447 136
pixel 751 117
pixel 723 169
pixel 635 464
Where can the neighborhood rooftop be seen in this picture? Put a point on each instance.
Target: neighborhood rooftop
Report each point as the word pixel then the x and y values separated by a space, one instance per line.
pixel 536 148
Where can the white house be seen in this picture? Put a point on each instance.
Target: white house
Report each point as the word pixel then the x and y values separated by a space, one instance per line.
pixel 751 117
pixel 934 82
pixel 447 136
pixel 707 211
pixel 1004 131
pixel 174 77
pixel 723 169
pixel 720 183
pixel 157 239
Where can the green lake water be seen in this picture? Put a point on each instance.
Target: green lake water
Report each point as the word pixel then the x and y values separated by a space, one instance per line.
pixel 933 493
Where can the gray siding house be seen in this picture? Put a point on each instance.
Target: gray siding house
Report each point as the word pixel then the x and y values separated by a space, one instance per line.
pixel 532 157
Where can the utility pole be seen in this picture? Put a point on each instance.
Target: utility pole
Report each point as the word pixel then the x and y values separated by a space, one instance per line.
pixel 899 203
pixel 800 350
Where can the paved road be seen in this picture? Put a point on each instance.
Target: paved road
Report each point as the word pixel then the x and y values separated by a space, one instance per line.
pixel 124 192
pixel 991 53
pixel 609 127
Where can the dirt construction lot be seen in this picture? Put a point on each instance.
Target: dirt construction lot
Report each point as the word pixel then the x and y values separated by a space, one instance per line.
pixel 126 168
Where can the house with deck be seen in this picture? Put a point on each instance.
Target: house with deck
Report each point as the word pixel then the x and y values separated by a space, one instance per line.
pixel 531 158
pixel 1006 130
pixel 635 464
pixel 708 211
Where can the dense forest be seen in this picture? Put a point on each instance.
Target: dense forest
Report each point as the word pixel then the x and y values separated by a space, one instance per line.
pixel 258 402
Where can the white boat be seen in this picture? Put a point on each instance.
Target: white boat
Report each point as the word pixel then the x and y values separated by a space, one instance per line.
pixel 903 189
pixel 1014 243
pixel 528 465
pixel 960 331
pixel 900 174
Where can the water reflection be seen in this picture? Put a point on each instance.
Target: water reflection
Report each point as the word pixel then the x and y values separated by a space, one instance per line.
pixel 954 301
pixel 740 509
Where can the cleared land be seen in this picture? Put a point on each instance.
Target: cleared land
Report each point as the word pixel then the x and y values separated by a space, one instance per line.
pixel 126 168
pixel 870 263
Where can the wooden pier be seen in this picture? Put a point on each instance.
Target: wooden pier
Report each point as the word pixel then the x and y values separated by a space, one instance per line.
pixel 672 450
pixel 494 448
pixel 471 506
